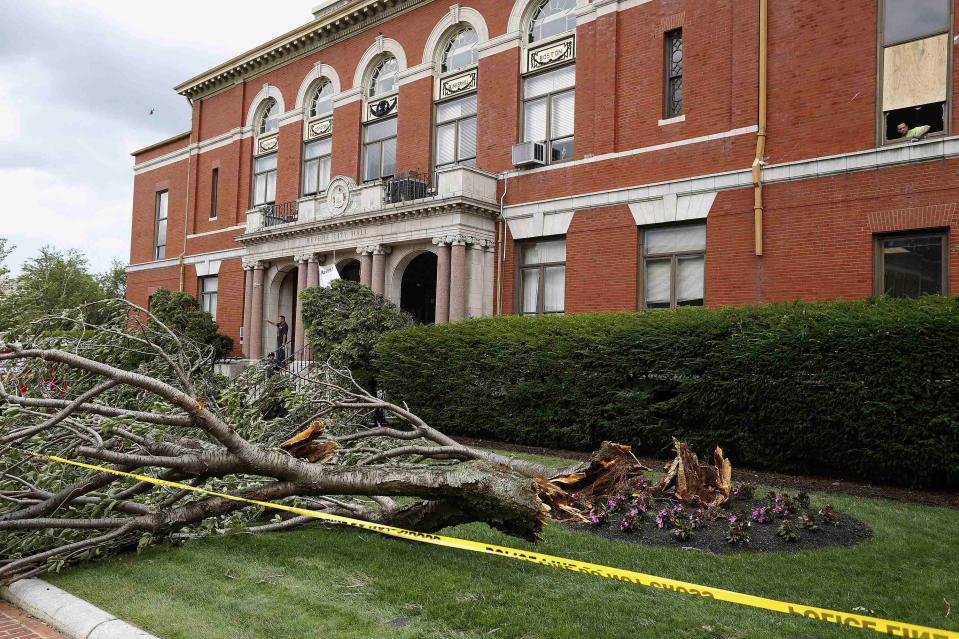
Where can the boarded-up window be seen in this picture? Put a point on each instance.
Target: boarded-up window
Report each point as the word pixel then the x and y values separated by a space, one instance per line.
pixel 915 73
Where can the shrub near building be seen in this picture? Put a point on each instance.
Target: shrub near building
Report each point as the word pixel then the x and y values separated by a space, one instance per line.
pixel 866 389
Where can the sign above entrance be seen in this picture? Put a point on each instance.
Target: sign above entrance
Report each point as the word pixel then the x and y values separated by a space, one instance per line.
pixel 339 194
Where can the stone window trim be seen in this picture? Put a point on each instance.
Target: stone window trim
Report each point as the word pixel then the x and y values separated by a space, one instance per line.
pixel 942 234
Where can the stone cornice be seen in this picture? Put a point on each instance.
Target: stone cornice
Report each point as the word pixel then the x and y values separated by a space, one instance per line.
pixel 420 209
pixel 340 23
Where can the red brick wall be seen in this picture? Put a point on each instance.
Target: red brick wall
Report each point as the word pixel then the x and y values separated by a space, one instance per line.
pixel 822 101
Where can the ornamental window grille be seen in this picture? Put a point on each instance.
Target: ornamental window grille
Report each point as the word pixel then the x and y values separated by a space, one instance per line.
pixel 384 78
pixel 542 277
pixel 456 132
pixel 674 73
pixel 552 17
pixel 460 51
pixel 549 109
pixel 322 100
pixel 269 121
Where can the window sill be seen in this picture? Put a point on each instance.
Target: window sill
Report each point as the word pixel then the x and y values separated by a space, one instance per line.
pixel 676 120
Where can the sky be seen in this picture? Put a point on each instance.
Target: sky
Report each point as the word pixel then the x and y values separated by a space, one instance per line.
pixel 78 79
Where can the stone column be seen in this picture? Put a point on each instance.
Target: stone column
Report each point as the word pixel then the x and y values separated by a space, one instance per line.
pixel 379 269
pixel 302 264
pixel 442 279
pixel 247 307
pixel 256 316
pixel 458 280
pixel 366 265
pixel 313 275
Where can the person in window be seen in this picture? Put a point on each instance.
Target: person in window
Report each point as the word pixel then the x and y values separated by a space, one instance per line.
pixel 914 134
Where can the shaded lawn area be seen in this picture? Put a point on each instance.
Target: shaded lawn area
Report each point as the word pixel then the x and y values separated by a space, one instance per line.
pixel 343 583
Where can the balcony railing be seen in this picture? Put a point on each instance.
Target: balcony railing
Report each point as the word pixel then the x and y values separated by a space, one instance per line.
pixel 282 213
pixel 404 187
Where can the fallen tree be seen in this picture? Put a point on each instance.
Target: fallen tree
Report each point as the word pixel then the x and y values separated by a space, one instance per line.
pixel 133 395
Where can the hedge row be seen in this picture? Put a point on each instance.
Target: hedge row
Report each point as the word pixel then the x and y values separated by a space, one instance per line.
pixel 864 389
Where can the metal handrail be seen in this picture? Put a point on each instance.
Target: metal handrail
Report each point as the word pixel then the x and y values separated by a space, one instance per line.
pixel 407 186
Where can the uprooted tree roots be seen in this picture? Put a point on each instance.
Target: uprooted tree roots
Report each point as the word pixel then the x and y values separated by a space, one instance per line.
pixel 132 395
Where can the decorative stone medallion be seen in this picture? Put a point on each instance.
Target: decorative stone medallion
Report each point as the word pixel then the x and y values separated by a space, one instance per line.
pixel 339 194
pixel 267 145
pixel 381 108
pixel 320 128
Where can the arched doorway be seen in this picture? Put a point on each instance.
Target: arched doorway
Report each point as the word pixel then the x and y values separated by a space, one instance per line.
pixel 286 306
pixel 349 270
pixel 418 288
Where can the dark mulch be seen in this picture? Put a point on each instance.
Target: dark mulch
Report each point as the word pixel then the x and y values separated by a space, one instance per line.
pixel 848 531
pixel 944 498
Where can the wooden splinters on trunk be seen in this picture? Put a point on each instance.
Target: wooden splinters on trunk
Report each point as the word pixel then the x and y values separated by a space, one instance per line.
pixel 697 484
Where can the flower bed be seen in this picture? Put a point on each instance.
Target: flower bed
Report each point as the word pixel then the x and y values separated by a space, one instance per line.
pixel 776 522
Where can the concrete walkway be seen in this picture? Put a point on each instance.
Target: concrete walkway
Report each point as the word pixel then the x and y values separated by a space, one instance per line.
pixel 16 625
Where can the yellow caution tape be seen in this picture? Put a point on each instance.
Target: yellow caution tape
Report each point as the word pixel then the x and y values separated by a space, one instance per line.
pixel 885 626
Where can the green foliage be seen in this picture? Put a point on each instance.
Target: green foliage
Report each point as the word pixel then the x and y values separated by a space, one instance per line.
pixel 183 315
pixel 113 281
pixel 49 283
pixel 345 321
pixel 5 249
pixel 869 389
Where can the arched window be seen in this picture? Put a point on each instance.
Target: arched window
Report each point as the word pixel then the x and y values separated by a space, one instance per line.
pixel 460 51
pixel 384 78
pixel 552 17
pixel 322 100
pixel 269 120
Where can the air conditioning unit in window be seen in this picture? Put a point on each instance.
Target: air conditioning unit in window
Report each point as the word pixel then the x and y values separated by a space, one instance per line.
pixel 529 154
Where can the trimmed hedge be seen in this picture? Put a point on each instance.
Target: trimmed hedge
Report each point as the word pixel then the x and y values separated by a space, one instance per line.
pixel 864 389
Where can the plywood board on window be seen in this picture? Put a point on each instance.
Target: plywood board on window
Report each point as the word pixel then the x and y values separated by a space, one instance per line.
pixel 915 73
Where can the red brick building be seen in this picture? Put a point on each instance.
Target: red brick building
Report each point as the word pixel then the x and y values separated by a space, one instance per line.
pixel 536 156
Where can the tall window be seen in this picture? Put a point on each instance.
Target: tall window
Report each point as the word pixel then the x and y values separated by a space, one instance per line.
pixel 264 180
pixel 208 293
pixel 385 78
pixel 910 265
pixel 269 121
pixel 460 52
pixel 379 149
pixel 552 17
pixel 322 100
pixel 456 132
pixel 674 73
pixel 214 193
pixel 542 276
pixel 674 266
pixel 162 208
pixel 549 109
pixel 316 165
pixel 916 51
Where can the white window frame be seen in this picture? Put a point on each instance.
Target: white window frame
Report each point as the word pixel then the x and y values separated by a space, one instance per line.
pixel 540 268
pixel 208 299
pixel 265 175
pixel 673 257
pixel 162 215
pixel 317 165
pixel 454 123
pixel 548 98
pixel 378 146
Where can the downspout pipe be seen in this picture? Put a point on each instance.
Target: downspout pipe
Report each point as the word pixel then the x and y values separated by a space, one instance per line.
pixel 186 212
pixel 501 252
pixel 757 169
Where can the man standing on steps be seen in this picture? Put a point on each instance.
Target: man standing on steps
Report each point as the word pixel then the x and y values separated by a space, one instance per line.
pixel 282 335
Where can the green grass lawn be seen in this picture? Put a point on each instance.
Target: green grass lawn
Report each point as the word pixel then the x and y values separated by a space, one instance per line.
pixel 342 583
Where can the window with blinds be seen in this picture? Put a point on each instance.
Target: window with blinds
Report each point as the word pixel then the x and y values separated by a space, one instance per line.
pixel 456 132
pixel 674 266
pixel 379 149
pixel 542 286
pixel 264 180
pixel 317 157
pixel 549 110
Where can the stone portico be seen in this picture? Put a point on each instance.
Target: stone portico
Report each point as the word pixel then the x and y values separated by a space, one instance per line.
pixel 431 255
